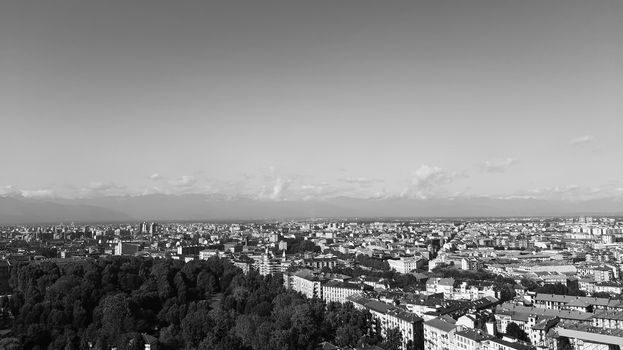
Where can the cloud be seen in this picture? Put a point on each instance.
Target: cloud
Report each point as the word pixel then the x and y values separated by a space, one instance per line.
pixel 279 188
pixel 103 186
pixel 183 181
pixel 427 180
pixel 40 193
pixel 497 166
pixel 155 176
pixel 569 193
pixel 100 188
pixel 582 139
pixel 361 181
pixel 12 191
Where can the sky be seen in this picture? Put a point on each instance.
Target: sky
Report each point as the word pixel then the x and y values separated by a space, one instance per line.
pixel 294 99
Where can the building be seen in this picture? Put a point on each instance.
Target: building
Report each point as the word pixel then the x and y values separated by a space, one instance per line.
pixel 568 302
pixel 336 291
pixel 470 339
pixel 266 265
pixel 406 265
pixel 501 344
pixel 319 263
pixel 525 317
pixel 306 282
pixel 610 319
pixel 126 248
pixel 440 285
pixel 584 337
pixel 245 266
pixel 189 250
pixel 603 274
pixel 388 316
pixel 471 264
pixel 439 333
pixel 208 253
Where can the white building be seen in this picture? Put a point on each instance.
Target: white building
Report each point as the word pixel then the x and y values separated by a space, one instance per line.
pixel 406 265
pixel 439 333
pixel 306 282
pixel 440 285
pixel 208 253
pixel 335 291
pixel 471 264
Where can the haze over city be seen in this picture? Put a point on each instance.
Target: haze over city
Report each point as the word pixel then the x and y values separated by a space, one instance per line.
pixel 507 103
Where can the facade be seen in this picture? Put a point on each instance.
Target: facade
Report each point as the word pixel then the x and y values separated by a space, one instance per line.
pixel 388 316
pixel 440 285
pixel 603 274
pixel 335 291
pixel 126 248
pixel 305 282
pixel 582 337
pixel 319 263
pixel 208 253
pixel 243 265
pixel 268 266
pixel 439 333
pixel 567 302
pixel 471 264
pixel 470 339
pixel 189 250
pixel 406 265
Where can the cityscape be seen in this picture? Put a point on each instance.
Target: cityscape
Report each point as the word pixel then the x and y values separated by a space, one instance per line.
pixel 311 175
pixel 505 283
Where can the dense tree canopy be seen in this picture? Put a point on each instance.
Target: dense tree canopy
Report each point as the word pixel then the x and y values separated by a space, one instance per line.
pixel 559 289
pixel 196 305
pixel 513 330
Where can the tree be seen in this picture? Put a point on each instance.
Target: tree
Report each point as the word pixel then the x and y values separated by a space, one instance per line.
pixel 110 302
pixel 601 295
pixel 513 330
pixel 529 284
pixel 393 339
pixel 115 311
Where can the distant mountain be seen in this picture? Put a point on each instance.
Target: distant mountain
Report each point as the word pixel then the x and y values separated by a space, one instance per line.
pixel 209 207
pixel 23 210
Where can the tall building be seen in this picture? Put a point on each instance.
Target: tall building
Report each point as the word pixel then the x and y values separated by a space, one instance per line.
pixel 388 316
pixel 267 265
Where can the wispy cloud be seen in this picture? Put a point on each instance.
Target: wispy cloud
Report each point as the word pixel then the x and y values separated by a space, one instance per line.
pixel 183 181
pixel 497 166
pixel 582 139
pixel 279 188
pixel 426 181
pixel 12 191
pixel 100 188
pixel 569 193
pixel 361 181
pixel 155 176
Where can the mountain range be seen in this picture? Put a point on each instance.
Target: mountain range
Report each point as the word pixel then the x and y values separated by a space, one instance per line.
pixel 160 207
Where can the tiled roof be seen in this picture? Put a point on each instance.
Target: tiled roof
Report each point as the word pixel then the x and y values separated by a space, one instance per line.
pixel 440 324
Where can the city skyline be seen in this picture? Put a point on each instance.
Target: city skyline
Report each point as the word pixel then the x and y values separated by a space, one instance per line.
pixel 311 101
